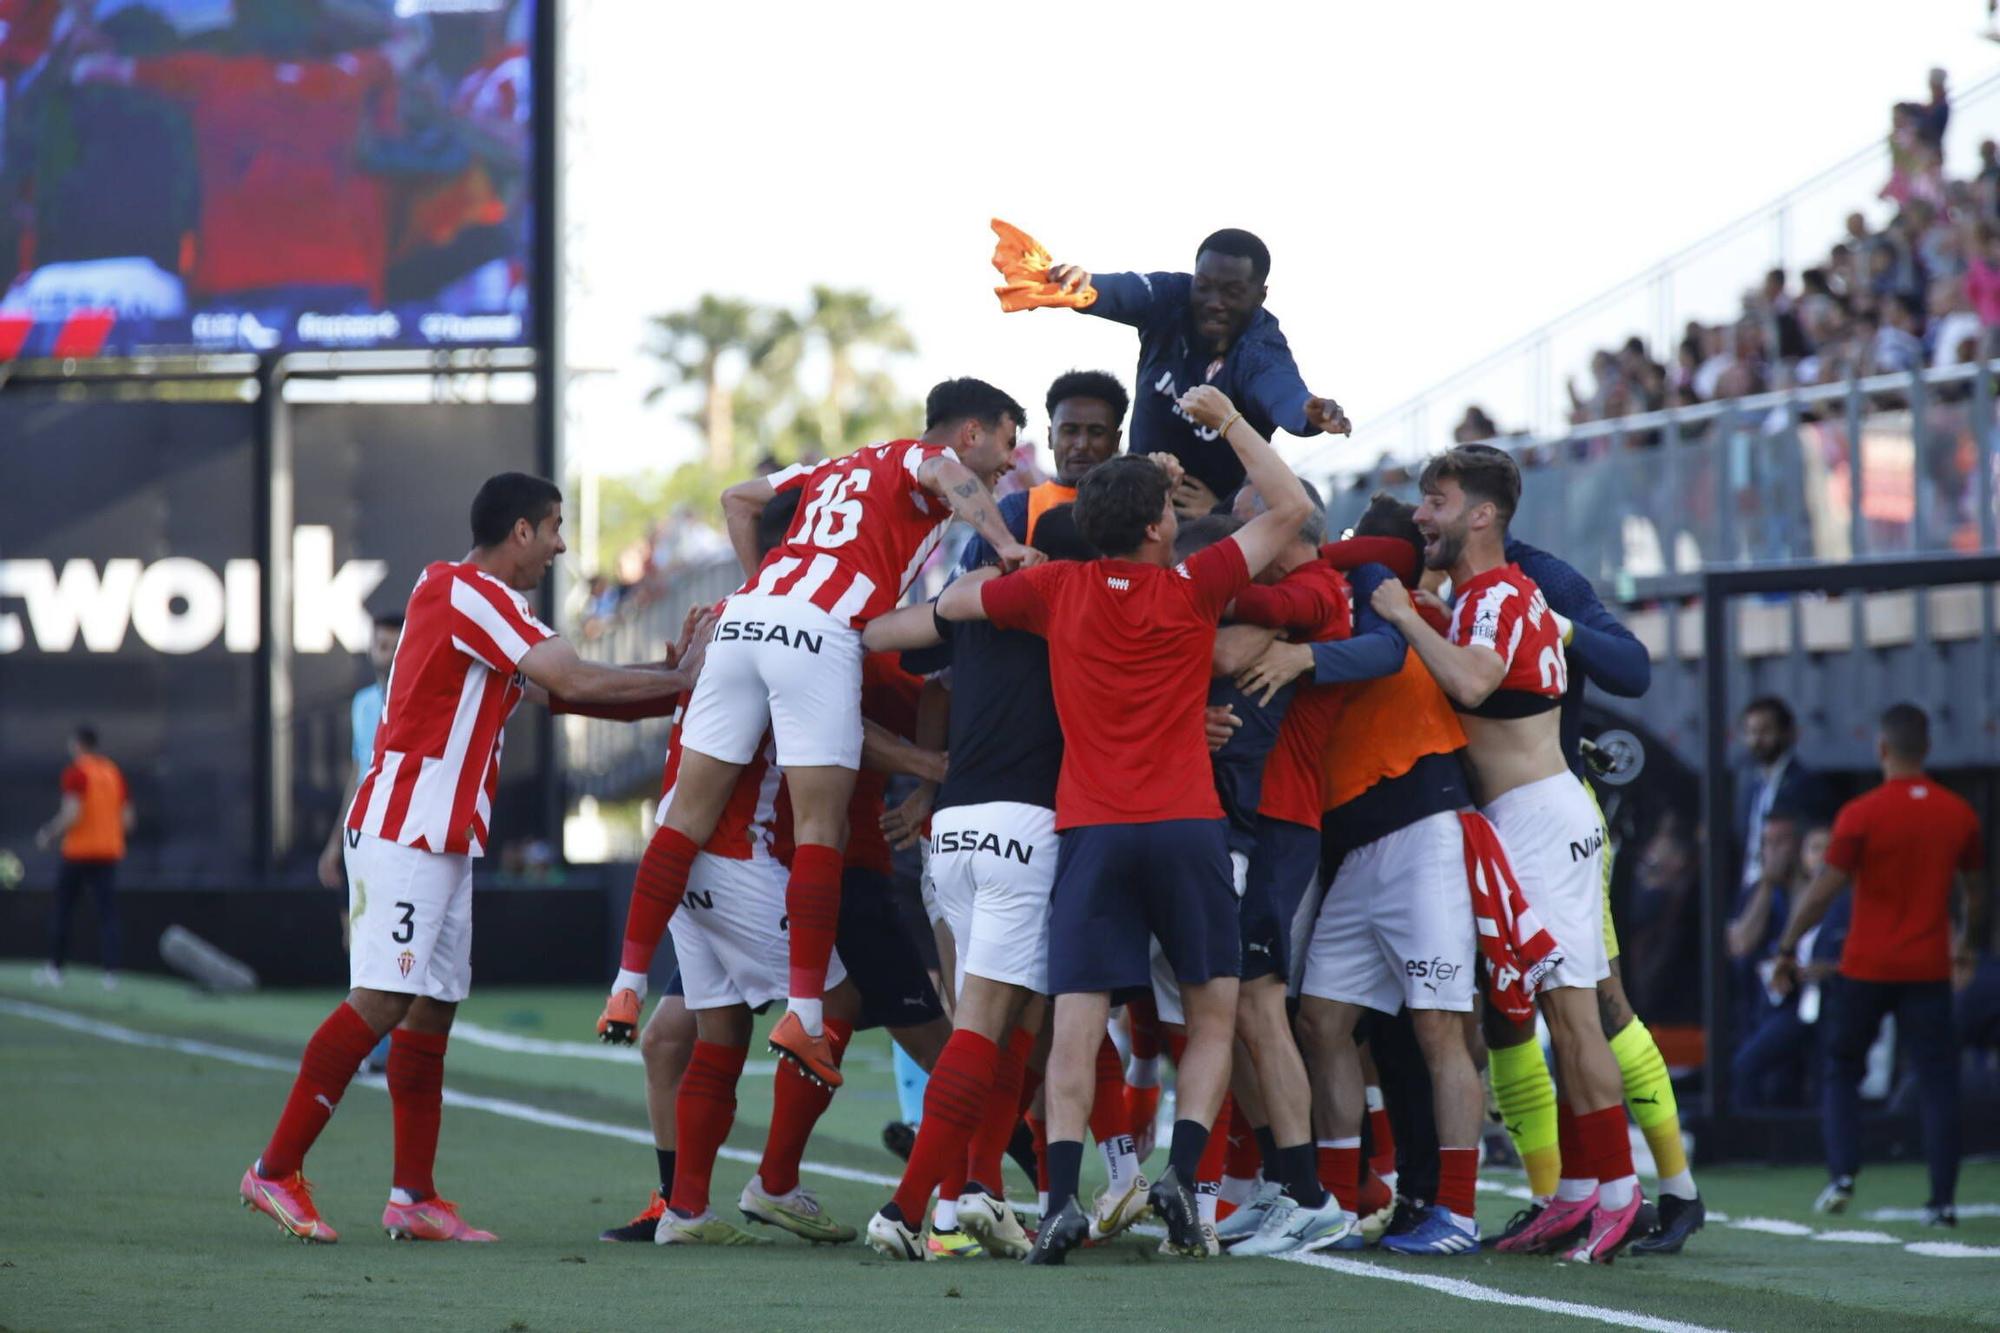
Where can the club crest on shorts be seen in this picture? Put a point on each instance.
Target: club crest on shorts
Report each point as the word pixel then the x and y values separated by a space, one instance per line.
pixel 405 961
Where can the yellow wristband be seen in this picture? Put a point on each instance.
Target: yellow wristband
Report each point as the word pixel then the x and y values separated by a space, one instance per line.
pixel 1222 431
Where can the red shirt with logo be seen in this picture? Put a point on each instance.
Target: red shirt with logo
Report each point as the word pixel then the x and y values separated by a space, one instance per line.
pixel 1130 657
pixel 1504 610
pixel 864 528
pixel 1902 844
pixel 1313 605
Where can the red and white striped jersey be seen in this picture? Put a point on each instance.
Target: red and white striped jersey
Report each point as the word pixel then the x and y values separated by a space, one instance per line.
pixel 864 528
pixel 1503 609
pixel 454 683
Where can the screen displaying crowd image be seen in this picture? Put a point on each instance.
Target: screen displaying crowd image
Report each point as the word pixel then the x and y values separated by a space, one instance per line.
pixel 264 175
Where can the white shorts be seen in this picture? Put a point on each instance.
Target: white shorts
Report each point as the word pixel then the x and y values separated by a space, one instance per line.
pixel 409 917
pixel 781 663
pixel 992 867
pixel 1395 927
pixel 1166 986
pixel 730 936
pixel 1555 841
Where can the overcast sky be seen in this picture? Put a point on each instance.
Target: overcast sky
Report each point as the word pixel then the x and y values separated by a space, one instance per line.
pixel 1433 178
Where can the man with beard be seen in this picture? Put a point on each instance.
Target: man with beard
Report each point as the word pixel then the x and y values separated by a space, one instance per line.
pixel 1086 420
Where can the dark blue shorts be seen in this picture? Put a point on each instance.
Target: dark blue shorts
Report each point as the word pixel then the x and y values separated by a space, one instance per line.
pixel 1119 886
pixel 880 952
pixel 1282 866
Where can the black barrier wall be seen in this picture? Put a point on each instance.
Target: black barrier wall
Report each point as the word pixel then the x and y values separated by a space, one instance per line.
pixel 130 591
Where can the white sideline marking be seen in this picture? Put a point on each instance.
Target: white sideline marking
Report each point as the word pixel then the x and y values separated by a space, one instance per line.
pixel 494 1039
pixel 536 1115
pixel 1858 1237
pixel 1917 1214
pixel 1472 1291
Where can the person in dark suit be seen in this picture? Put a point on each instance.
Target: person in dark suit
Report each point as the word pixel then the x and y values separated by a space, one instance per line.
pixel 1771 780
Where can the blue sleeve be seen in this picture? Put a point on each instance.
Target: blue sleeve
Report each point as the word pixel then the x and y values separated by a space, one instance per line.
pixel 1137 298
pixel 1606 651
pixel 1276 390
pixel 979 551
pixel 362 718
pixel 1376 649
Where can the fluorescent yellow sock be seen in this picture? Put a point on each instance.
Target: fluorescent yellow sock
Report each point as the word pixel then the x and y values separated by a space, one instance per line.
pixel 1526 1096
pixel 1649 1092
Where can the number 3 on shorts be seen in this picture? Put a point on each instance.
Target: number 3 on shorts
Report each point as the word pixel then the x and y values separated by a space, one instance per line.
pixel 406 928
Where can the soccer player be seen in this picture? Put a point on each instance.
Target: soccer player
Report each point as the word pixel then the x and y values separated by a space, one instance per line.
pixel 1905 846
pixel 90 824
pixel 1131 639
pixel 1086 419
pixel 789 658
pixel 1207 327
pixel 993 849
pixel 1602 650
pixel 471 651
pixel 1502 667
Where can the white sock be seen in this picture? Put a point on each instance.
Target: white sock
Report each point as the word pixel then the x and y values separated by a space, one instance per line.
pixel 1121 1161
pixel 1460 1220
pixel 631 981
pixel 944 1217
pixel 1680 1185
pixel 1042 1202
pixel 1389 1179
pixel 811 1013
pixel 1204 1202
pixel 1237 1190
pixel 1575 1190
pixel 1372 1097
pixel 1354 1143
pixel 1143 1071
pixel 1617 1194
pixel 403 1197
pixel 1121 1039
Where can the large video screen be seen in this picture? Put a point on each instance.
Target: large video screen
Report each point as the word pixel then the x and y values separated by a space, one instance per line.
pixel 264 175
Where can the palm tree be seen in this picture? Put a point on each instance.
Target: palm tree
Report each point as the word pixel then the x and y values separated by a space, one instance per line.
pixel 839 324
pixel 691 346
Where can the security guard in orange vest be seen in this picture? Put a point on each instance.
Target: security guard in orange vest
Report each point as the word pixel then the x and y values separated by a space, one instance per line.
pixel 92 823
pixel 1086 418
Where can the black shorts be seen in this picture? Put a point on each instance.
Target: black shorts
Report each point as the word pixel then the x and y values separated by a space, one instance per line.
pixel 1119 886
pixel 880 951
pixel 1282 866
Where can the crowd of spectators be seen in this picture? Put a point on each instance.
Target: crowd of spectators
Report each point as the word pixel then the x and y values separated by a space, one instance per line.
pixel 1922 290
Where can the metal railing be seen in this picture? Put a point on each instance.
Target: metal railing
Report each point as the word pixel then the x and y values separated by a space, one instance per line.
pixel 1891 465
pixel 1521 384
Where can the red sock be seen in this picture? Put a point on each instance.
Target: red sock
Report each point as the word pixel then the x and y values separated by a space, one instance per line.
pixel 1244 1159
pixel 1382 1152
pixel 1040 1129
pixel 954 1103
pixel 1176 1045
pixel 327 1067
pixel 812 902
pixel 1145 1018
pixel 797 1103
pixel 996 1127
pixel 1340 1175
pixel 1576 1163
pixel 656 891
pixel 416 1093
pixel 703 1112
pixel 1607 1146
pixel 1458 1180
pixel 1108 1118
pixel 1209 1170
pixel 1375 1193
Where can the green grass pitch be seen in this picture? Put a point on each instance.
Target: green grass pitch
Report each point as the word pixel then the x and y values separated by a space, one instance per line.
pixel 119 1160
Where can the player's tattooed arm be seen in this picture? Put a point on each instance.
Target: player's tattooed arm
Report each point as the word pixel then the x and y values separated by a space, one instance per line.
pixel 970 500
pixel 742 505
pixel 1468 675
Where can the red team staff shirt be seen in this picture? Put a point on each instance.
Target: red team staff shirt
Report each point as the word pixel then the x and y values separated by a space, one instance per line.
pixel 1130 657
pixel 864 528
pixel 1902 843
pixel 1502 609
pixel 454 683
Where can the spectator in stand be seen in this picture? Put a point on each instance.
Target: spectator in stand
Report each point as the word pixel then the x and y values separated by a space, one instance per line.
pixel 1982 271
pixel 1756 918
pixel 1770 780
pixel 1474 427
pixel 1935 114
pixel 91 824
pixel 1989 160
pixel 1952 336
pixel 1899 343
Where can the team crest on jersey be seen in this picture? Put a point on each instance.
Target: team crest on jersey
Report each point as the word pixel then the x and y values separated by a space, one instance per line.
pixel 405 961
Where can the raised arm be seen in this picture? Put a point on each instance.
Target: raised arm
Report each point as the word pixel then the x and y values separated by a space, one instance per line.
pixel 742 505
pixel 970 500
pixel 1265 536
pixel 1128 298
